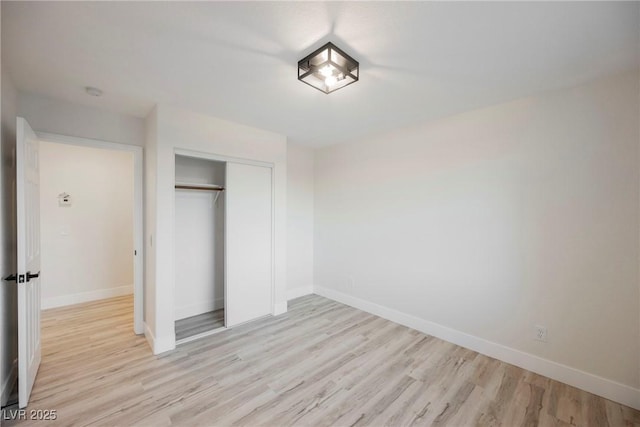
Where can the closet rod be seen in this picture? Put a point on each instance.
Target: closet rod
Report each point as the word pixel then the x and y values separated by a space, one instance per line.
pixel 197 187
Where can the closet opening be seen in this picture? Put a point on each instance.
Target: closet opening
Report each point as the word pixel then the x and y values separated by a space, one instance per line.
pixel 199 247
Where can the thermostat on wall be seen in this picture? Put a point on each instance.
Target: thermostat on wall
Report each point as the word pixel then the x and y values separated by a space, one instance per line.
pixel 64 199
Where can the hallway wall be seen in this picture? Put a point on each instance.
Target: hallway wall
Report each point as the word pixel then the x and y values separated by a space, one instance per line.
pixel 87 248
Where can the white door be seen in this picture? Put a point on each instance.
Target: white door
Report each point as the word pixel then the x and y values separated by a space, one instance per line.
pixel 28 260
pixel 248 243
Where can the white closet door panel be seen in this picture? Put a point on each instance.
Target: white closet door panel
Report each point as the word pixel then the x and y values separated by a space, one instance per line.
pixel 249 245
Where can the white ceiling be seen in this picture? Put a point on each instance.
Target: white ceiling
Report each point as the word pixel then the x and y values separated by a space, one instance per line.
pixel 237 60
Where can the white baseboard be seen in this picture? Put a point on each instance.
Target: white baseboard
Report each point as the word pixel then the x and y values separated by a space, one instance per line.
pixel 198 308
pixel 158 345
pixel 279 308
pixel 81 297
pixel 595 384
pixel 298 292
pixel 8 383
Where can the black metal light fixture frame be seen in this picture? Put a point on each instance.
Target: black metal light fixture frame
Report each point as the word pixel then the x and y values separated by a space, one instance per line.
pixel 328 69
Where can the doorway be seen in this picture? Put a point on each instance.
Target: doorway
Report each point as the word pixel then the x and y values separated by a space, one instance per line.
pixel 91 222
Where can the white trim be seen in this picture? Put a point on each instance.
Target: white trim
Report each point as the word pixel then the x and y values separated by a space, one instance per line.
pixel 199 308
pixel 138 225
pixel 81 297
pixel 221 158
pixel 278 309
pixel 158 345
pixel 9 382
pixel 595 384
pixel 88 142
pixel 151 339
pixel 298 292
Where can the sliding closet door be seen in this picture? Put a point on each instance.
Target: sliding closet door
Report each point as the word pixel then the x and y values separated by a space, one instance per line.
pixel 249 247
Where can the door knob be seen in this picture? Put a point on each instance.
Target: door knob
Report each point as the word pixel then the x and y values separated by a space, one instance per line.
pixel 32 276
pixel 18 278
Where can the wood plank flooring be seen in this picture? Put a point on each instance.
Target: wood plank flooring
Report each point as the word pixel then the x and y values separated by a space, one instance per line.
pixel 320 364
pixel 195 325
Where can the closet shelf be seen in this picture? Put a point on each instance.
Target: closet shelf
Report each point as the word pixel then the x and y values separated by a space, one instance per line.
pixel 204 187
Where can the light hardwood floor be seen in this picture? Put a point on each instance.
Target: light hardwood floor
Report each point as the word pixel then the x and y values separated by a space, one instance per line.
pixel 195 325
pixel 322 363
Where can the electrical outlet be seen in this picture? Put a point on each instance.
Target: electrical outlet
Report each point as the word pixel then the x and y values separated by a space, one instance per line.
pixel 540 333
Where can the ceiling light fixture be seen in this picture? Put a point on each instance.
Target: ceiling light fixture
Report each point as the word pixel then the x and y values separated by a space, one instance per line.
pixel 328 69
pixel 93 91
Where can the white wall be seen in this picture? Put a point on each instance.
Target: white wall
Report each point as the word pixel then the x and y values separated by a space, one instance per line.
pixel 8 294
pixel 174 128
pixel 481 225
pixel 300 184
pixel 150 207
pixel 199 236
pixel 66 118
pixel 87 248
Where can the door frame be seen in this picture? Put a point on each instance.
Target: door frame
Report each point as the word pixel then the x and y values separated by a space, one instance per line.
pixel 226 159
pixel 138 224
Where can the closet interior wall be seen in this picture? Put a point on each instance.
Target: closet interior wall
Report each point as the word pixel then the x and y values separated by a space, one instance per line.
pixel 199 238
